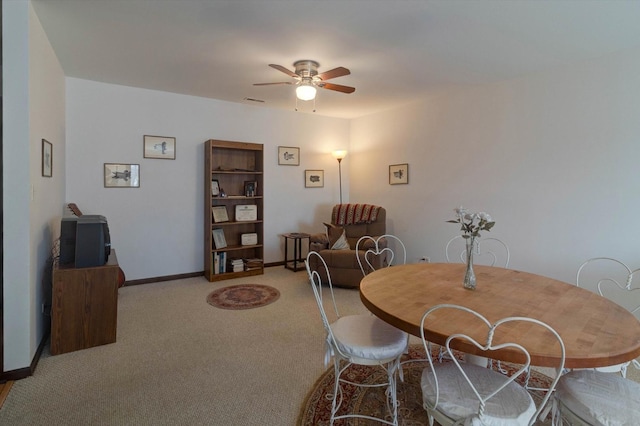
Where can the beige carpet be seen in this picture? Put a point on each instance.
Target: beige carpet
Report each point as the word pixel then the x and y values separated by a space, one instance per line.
pixel 177 360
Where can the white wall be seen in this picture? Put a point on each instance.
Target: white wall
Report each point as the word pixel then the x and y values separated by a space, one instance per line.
pixel 157 229
pixel 33 108
pixel 46 121
pixel 16 182
pixel 553 157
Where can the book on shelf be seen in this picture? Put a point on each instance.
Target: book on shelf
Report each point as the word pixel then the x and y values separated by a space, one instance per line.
pixel 253 263
pixel 219 262
pixel 237 264
pixel 223 262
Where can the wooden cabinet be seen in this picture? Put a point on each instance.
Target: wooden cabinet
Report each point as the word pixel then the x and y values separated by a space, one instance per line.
pixel 84 306
pixel 233 175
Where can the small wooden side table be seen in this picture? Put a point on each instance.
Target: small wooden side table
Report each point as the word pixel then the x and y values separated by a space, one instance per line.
pixel 297 238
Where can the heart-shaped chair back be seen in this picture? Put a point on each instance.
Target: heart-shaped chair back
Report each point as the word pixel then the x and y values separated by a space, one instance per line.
pixel 377 251
pixel 500 335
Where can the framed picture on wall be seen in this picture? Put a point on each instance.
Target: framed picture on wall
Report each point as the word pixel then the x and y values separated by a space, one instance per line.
pixel 314 178
pixel 398 174
pixel 47 158
pixel 162 147
pixel 120 175
pixel 288 156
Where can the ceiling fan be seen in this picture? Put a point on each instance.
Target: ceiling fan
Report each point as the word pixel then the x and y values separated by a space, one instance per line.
pixel 307 79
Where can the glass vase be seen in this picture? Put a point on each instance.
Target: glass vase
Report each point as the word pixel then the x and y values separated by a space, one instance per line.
pixel 469 275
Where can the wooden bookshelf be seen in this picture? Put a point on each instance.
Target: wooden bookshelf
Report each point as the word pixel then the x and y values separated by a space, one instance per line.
pixel 236 167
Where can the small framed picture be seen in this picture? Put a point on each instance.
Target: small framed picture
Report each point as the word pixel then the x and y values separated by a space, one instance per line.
pixel 314 178
pixel 246 212
pixel 219 214
pixel 218 238
pixel 398 174
pixel 118 175
pixel 250 188
pixel 215 187
pixel 162 147
pixel 47 158
pixel 288 156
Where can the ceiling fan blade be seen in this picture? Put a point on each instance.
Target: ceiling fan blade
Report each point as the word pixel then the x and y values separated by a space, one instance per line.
pixel 337 87
pixel 284 70
pixel 269 84
pixel 336 72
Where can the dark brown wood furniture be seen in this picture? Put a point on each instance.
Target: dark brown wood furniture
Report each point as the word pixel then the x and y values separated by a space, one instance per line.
pixel 596 331
pixel 297 263
pixel 235 166
pixel 84 306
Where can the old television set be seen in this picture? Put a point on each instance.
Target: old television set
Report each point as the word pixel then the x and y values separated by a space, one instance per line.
pixel 84 241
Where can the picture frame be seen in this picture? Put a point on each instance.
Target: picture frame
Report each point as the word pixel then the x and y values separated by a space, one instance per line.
pixel 399 174
pixel 314 178
pixel 215 187
pixel 246 212
pixel 47 158
pixel 250 188
pixel 219 214
pixel 218 238
pixel 159 147
pixel 288 156
pixel 121 175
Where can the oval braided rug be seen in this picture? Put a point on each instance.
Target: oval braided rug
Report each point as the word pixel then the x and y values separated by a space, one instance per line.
pixel 243 296
pixel 316 409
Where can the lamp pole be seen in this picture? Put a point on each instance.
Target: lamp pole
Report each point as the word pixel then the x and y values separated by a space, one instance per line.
pixel 339 155
pixel 340 177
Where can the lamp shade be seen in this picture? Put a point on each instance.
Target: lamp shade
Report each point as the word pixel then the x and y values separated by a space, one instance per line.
pixel 306 92
pixel 339 154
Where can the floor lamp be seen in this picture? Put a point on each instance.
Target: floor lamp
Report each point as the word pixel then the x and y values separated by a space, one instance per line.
pixel 339 155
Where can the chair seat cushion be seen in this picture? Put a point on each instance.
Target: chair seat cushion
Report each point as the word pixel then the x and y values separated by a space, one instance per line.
pixel 600 398
pixel 511 406
pixel 366 337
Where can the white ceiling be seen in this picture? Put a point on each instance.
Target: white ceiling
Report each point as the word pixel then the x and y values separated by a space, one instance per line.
pixel 397 51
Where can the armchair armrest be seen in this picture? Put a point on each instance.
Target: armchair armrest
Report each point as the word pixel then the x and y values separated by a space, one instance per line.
pixel 318 242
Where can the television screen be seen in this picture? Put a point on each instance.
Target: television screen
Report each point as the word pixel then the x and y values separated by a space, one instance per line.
pixel 84 241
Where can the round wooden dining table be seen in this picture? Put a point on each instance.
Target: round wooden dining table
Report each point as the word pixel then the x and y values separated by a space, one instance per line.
pixel 596 331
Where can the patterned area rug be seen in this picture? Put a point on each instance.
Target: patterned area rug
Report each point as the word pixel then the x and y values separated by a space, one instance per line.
pixel 316 409
pixel 243 296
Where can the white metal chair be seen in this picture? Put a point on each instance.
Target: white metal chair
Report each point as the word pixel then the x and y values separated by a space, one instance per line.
pixel 378 246
pixel 597 270
pixel 612 279
pixel 462 393
pixel 589 397
pixel 487 251
pixel 357 339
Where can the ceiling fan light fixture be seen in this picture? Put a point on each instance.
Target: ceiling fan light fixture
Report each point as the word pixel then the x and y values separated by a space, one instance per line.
pixel 306 91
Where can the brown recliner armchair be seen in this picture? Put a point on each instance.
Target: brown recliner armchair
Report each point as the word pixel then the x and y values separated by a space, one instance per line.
pixel 357 220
